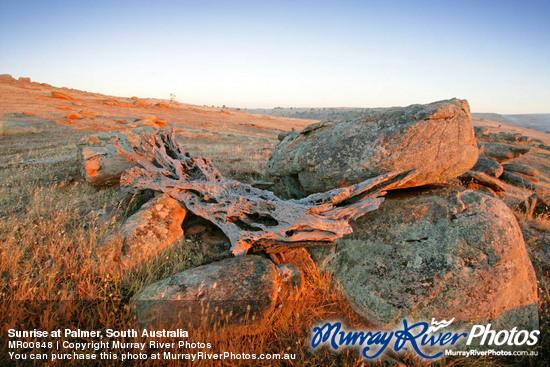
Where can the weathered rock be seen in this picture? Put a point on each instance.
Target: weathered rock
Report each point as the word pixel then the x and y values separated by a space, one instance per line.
pixel 442 253
pixel 17 128
pixel 283 134
pixel 483 179
pixel 195 229
pixel 146 233
pixel 503 152
pixel 6 78
pixel 521 168
pixel 535 205
pixel 101 164
pixel 88 113
pixel 488 166
pixel 436 139
pixel 240 292
pixel 511 137
pixel 62 95
pixel 526 177
pixel 140 103
pixel 481 131
pixel 517 181
pixel 151 121
pixel 74 116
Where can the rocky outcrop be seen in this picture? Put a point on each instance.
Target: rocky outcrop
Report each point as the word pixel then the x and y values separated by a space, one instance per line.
pixel 436 139
pixel 517 180
pixel 240 292
pixel 442 253
pixel 521 168
pixel 481 131
pixel 503 152
pixel 145 234
pixel 6 78
pixel 62 95
pixel 100 162
pixel 151 121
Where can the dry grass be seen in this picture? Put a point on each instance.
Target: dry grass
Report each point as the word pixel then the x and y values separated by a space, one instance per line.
pixel 50 279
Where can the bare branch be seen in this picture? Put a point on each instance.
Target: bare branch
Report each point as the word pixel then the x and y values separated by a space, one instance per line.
pixel 253 219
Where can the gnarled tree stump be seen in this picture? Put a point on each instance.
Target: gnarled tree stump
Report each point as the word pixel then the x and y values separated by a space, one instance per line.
pixel 253 219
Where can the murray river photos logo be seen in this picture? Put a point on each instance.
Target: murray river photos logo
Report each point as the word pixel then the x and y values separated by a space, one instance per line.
pixel 429 341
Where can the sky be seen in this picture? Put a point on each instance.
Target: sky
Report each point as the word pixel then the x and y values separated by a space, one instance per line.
pixel 283 53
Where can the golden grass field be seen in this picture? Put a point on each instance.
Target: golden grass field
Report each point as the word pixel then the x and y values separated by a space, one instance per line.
pixel 52 220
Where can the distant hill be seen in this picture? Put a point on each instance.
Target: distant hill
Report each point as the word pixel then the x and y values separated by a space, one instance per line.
pixel 326 113
pixel 493 117
pixel 536 121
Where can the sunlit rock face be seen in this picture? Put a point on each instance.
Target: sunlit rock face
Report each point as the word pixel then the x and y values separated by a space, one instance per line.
pixel 436 139
pixel 240 292
pixel 488 166
pixel 442 252
pixel 149 231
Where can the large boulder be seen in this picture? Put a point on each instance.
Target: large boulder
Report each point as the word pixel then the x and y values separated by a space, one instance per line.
pixel 442 253
pixel 240 292
pixel 436 139
pixel 145 234
pixel 100 162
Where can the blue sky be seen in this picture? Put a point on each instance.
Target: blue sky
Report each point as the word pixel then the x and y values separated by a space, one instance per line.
pixel 496 54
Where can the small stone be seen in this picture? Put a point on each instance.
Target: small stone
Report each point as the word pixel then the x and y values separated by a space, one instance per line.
pixel 74 116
